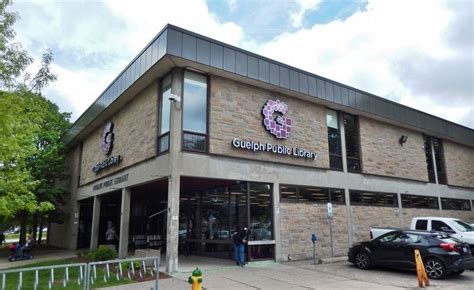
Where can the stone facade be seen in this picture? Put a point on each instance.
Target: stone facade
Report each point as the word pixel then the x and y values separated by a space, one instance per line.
pixel 383 155
pixel 135 129
pixel 364 217
pixel 300 220
pixel 68 238
pixel 459 161
pixel 235 112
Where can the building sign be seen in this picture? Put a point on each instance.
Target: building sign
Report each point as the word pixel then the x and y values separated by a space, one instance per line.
pixel 110 182
pixel 108 138
pixel 272 148
pixel 280 127
pixel 106 147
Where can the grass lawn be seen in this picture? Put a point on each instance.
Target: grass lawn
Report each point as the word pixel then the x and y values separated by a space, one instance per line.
pixel 44 275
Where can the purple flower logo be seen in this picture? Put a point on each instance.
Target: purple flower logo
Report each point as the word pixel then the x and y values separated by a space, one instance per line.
pixel 108 138
pixel 280 126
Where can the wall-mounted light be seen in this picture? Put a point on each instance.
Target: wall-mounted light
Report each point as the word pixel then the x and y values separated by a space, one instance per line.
pixel 402 140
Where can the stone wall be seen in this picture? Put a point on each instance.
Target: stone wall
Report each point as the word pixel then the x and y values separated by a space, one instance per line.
pixel 235 111
pixel 459 161
pixel 135 129
pixel 364 217
pixel 300 220
pixel 383 155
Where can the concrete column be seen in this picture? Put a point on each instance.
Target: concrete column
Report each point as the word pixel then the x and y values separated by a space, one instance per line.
pixel 95 223
pixel 277 221
pixel 350 233
pixel 124 223
pixel 172 221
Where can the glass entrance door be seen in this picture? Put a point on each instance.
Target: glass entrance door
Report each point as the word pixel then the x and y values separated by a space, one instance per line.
pixel 209 217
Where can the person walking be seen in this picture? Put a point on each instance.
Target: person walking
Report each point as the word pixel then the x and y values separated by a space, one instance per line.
pixel 239 239
pixel 111 234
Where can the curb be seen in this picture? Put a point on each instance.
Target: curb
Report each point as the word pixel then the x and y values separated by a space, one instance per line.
pixel 333 260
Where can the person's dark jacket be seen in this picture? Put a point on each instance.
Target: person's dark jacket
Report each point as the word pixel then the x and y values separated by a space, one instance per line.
pixel 239 237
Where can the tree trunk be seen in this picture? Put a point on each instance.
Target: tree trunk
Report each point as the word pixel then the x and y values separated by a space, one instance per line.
pixel 22 227
pixel 35 227
pixel 40 234
pixel 49 230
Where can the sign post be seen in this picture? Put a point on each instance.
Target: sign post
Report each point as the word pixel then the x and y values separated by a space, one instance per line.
pixel 330 226
pixel 314 238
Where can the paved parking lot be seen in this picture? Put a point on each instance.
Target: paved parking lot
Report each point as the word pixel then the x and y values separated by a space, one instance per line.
pixel 303 275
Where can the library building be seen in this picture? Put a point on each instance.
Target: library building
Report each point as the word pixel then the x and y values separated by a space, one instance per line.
pixel 196 138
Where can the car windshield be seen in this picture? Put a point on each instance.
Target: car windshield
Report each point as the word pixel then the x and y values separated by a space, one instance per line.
pixel 462 226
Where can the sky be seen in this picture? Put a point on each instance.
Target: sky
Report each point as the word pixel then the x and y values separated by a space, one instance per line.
pixel 416 52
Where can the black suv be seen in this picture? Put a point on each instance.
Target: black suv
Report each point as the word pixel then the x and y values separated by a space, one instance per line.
pixel 441 254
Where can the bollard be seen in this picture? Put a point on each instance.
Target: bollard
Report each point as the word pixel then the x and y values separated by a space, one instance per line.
pixel 420 270
pixel 196 279
pixel 314 238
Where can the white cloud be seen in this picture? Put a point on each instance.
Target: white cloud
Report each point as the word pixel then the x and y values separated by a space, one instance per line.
pixel 380 49
pixel 304 6
pixel 415 52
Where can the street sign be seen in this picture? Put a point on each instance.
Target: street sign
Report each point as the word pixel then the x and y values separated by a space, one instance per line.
pixel 329 210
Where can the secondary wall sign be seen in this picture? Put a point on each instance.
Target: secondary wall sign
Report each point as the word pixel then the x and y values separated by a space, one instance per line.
pixel 107 146
pixel 280 126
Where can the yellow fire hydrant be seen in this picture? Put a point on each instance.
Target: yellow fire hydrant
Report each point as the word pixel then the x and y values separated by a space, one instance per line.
pixel 196 279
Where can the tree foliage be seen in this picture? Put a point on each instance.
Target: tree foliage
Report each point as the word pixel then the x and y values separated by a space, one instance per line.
pixel 31 152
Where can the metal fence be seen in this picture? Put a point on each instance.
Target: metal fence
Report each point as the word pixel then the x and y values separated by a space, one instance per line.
pixel 81 274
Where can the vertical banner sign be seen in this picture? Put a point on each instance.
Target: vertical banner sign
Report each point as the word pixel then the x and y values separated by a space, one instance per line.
pixel 329 211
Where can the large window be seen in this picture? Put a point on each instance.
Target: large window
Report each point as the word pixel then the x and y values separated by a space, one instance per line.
pixel 455 204
pixel 311 194
pixel 434 146
pixel 195 112
pixel 351 132
pixel 165 109
pixel 373 198
pixel 419 201
pixel 334 140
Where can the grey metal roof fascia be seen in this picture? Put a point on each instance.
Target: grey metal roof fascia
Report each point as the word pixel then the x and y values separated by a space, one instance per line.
pixel 462 133
pixel 97 107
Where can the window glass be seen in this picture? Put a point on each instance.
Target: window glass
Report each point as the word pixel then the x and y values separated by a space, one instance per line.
pixel 439 225
pixel 165 105
pixel 419 201
pixel 215 214
pixel 311 194
pixel 314 194
pixel 351 130
pixel 334 140
pixel 195 102
pixel 260 197
pixel 165 110
pixel 462 226
pixel 455 204
pixel 373 198
pixel 421 225
pixel 439 159
pixel 407 238
pixel 390 237
pixel 288 192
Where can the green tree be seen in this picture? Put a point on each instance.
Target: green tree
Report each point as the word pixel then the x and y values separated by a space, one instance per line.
pixel 31 153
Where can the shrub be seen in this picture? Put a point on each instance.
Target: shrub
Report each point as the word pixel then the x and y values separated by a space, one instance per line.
pixel 103 253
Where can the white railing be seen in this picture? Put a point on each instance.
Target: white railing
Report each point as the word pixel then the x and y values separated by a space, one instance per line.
pixel 82 274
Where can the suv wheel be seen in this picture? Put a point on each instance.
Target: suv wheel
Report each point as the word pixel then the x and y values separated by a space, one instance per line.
pixel 362 260
pixel 435 269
